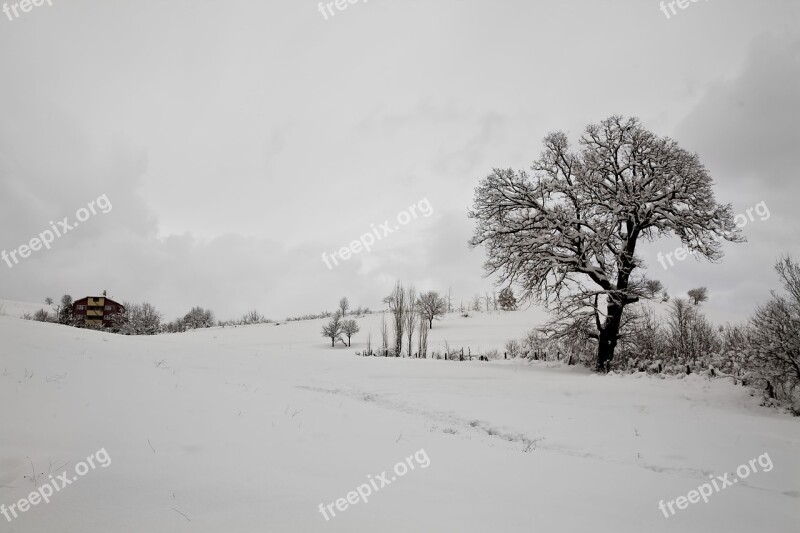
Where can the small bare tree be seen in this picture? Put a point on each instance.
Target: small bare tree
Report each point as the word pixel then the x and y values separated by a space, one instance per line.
pixel 423 337
pixel 344 305
pixel 384 336
pixel 653 287
pixel 689 335
pixel 397 306
pixel 698 295
pixel 431 306
pixel 508 301
pixel 410 316
pixel 645 341
pixel 252 317
pixel 65 310
pixel 349 328
pixel 476 303
pixel 333 329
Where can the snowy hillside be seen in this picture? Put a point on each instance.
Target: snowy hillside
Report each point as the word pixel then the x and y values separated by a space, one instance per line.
pixel 251 428
pixel 18 309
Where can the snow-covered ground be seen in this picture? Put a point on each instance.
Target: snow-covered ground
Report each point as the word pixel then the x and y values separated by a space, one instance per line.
pixel 250 429
pixel 18 309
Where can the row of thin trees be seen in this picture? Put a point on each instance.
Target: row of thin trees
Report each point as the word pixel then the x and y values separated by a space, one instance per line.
pixel 411 316
pixel 410 313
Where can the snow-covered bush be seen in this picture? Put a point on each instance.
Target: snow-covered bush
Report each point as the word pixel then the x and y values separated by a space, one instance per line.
pixel 137 319
pixel 684 338
pixel 775 337
pixel 199 318
pixel 513 348
pixel 492 355
pixel 252 317
pixel 533 343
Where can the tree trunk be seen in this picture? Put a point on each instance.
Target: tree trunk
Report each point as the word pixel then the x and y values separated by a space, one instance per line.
pixel 605 352
pixel 608 338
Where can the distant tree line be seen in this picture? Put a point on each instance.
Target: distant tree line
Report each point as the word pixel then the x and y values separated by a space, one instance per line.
pixel 359 311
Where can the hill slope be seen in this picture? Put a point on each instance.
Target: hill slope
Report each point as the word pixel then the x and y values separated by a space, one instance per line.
pixel 251 428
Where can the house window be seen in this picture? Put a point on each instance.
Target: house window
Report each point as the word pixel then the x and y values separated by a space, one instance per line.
pixel 81 308
pixel 108 308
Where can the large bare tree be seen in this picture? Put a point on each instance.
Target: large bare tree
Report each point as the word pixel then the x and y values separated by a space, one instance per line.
pixel 567 232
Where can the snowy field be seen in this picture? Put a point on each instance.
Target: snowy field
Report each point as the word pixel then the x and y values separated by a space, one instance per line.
pixel 250 429
pixel 18 309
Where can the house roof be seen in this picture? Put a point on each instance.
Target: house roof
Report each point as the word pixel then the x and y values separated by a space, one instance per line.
pixel 106 299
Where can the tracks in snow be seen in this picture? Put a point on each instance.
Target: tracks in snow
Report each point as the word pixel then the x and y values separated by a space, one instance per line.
pixel 511 440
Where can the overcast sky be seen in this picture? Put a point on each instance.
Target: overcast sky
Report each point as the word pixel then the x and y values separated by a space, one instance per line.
pixel 238 141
